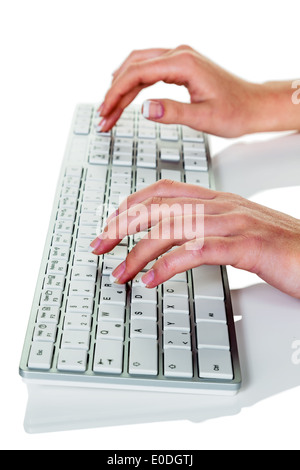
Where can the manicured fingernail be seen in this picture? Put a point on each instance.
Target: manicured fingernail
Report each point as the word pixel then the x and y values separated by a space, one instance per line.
pixel 148 278
pixel 101 125
pixel 95 245
pixel 118 272
pixel 153 109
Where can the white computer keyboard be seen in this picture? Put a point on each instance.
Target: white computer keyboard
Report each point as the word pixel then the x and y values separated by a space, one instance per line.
pixel 83 328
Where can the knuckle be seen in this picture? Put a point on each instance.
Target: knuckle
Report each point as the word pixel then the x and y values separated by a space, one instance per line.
pixel 166 266
pixel 166 183
pixel 133 54
pixel 184 47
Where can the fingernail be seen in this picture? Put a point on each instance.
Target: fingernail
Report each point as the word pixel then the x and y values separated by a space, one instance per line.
pixel 95 245
pixel 153 109
pixel 101 125
pixel 148 278
pixel 118 272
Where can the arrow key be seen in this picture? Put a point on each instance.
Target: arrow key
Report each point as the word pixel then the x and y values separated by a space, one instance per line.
pixel 177 340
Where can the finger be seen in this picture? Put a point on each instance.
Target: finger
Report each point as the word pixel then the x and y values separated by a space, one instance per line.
pixel 110 120
pixel 195 115
pixel 146 73
pixel 140 217
pixel 169 233
pixel 162 237
pixel 198 252
pixel 167 189
pixel 138 56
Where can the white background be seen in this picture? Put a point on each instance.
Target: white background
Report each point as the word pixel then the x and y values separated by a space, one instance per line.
pixel 54 55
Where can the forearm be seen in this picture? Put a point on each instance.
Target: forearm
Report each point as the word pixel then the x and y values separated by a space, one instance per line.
pixel 275 107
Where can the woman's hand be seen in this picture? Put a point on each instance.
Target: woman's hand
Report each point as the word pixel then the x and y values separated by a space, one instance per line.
pixel 233 231
pixel 221 103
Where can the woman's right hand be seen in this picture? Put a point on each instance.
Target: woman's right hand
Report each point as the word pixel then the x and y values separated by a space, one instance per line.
pixel 221 103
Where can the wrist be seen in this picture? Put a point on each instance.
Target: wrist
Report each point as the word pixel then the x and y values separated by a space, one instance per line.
pixel 272 108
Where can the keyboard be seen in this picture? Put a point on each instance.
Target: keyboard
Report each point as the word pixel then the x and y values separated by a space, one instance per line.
pixel 84 329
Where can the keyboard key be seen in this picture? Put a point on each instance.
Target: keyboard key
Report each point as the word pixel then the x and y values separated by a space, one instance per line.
pixel 68 202
pixel 208 282
pixel 84 273
pixel 66 214
pixel 176 289
pixel 174 304
pixel 169 133
pixel 195 164
pixel 170 154
pixel 194 147
pixel 145 176
pixel 141 328
pixel 119 253
pixel 122 159
pixel 62 239
pixel 199 178
pixel 48 314
pixel 99 158
pixel 76 340
pixel 72 360
pixel 145 311
pixel 114 294
pixel 108 357
pixel 141 294
pixel 176 321
pixel 60 253
pixel 51 297
pixel 54 281
pixel 178 363
pixel 80 305
pixel 215 364
pixel 63 226
pixel 210 310
pixel 85 259
pixel 110 264
pixel 177 340
pixel 146 132
pixel 96 174
pixel 57 267
pixel 144 161
pixel 40 356
pixel 115 313
pixel 212 335
pixel 45 332
pixel 143 356
pixel 77 322
pixel 191 135
pixel 110 330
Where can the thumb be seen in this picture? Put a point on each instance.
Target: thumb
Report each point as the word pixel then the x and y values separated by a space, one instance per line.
pixel 173 112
